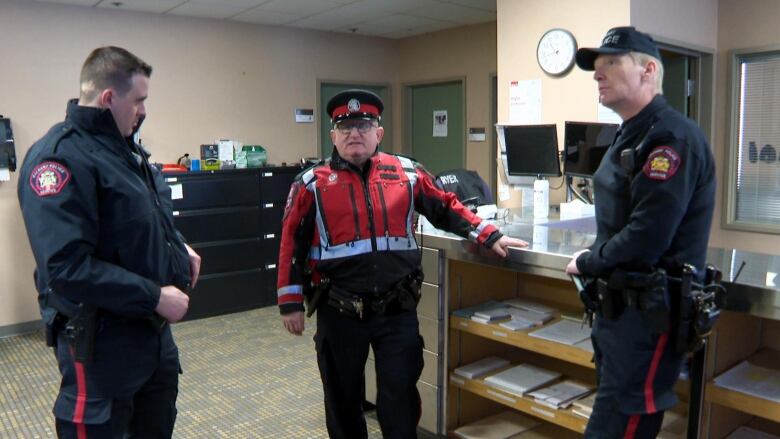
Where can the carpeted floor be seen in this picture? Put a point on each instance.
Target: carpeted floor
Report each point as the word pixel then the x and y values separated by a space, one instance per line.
pixel 244 377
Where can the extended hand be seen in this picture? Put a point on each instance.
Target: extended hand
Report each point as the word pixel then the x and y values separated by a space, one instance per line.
pixel 194 265
pixel 173 304
pixel 501 247
pixel 293 322
pixel 572 267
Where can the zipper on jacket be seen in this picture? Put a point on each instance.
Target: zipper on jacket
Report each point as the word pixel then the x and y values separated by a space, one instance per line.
pixel 384 213
pixel 354 213
pixel 322 216
pixel 410 232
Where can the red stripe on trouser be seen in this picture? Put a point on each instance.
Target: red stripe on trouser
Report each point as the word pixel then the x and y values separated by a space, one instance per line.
pixel 81 398
pixel 633 423
pixel 659 352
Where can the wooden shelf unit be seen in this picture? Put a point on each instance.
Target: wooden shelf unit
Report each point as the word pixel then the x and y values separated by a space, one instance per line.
pixel 522 340
pixel 743 402
pixel 561 417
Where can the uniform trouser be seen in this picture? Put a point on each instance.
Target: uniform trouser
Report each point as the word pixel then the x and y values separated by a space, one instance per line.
pixel 342 348
pixel 129 390
pixel 636 371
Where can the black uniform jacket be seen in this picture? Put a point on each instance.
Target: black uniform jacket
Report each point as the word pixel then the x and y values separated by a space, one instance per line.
pixel 99 218
pixel 659 212
pixel 356 226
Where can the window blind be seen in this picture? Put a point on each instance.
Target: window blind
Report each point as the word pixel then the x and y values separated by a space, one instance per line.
pixel 758 169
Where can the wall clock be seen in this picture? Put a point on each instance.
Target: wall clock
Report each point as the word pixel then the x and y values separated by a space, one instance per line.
pixel 555 52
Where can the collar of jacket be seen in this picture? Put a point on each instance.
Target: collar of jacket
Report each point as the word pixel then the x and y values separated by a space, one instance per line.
pixel 639 121
pixel 92 119
pixel 337 163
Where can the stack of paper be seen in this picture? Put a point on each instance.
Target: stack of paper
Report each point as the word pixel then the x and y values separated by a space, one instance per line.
pixel 563 331
pixel 744 432
pixel 560 395
pixel 481 368
pixel 529 305
pixel 537 318
pixel 521 379
pixel 466 313
pixel 491 315
pixel 516 324
pixel 584 406
pixel 501 426
pixel 757 376
pixel 585 345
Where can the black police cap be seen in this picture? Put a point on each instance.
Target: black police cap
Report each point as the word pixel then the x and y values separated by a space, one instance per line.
pixel 619 40
pixel 355 104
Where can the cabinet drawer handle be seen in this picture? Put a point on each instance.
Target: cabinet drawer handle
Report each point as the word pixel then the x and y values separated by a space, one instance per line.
pixel 268 174
pixel 268 205
pixel 270 266
pixel 270 236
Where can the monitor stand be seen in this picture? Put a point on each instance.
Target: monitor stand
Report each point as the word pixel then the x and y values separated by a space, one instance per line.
pixel 541 198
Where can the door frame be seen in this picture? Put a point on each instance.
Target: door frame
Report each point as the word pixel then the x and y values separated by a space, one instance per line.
pixel 406 148
pixel 492 137
pixel 387 101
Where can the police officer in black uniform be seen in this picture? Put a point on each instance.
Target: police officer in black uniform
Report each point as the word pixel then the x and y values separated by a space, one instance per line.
pixel 655 194
pixel 112 270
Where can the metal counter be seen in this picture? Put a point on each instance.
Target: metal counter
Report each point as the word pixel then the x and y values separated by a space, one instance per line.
pixel 552 243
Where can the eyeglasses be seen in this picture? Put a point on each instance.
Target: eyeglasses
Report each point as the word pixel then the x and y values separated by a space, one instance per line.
pixel 363 126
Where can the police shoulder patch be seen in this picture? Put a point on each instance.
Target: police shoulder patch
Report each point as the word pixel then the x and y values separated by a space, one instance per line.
pixel 49 178
pixel 662 163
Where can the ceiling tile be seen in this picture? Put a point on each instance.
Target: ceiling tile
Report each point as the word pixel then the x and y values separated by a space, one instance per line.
pixel 453 13
pixel 156 6
pixel 192 9
pixel 394 23
pixel 486 5
pixel 301 7
pixel 73 2
pixel 258 16
pixel 244 4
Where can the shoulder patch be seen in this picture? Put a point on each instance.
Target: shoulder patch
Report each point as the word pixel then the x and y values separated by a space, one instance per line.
pixel 49 178
pixel 662 163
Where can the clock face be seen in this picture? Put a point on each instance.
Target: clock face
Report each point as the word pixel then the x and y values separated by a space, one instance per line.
pixel 556 50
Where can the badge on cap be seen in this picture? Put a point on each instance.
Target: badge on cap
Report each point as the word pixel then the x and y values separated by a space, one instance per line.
pixel 353 105
pixel 662 163
pixel 49 178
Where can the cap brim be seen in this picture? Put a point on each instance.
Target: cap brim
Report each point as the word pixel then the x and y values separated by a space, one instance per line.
pixel 364 116
pixel 587 56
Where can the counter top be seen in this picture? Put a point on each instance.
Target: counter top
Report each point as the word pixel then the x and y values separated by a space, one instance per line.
pixel 552 242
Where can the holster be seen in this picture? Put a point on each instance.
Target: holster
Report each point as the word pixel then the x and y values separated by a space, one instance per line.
pixel 80 331
pixel 645 292
pixel 698 308
pixel 313 295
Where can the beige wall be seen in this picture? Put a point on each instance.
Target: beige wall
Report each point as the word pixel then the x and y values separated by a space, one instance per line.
pixel 468 52
pixel 571 97
pixel 212 79
pixel 692 22
pixel 741 25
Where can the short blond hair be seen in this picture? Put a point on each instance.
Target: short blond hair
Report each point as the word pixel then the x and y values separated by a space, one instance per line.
pixel 642 59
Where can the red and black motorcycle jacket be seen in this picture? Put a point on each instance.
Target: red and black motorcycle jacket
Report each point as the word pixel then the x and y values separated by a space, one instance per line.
pixel 355 227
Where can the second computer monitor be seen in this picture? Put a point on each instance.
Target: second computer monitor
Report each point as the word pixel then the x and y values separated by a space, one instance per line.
pixel 585 146
pixel 532 150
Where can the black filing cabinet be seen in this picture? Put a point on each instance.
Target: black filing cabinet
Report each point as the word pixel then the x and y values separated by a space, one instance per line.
pixel 233 219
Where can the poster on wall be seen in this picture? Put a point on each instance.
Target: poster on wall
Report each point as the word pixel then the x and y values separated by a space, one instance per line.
pixel 525 102
pixel 439 123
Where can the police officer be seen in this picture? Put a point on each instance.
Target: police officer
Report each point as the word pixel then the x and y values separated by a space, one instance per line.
pixel 347 234
pixel 111 268
pixel 655 194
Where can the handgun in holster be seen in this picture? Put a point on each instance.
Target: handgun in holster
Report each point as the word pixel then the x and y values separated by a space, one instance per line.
pixel 315 294
pixel 80 331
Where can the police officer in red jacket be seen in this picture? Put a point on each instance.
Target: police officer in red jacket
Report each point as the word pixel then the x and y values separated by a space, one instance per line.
pixel 655 194
pixel 111 269
pixel 348 242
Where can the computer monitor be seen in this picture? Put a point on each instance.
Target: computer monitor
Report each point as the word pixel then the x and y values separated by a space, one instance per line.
pixel 585 145
pixel 532 150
